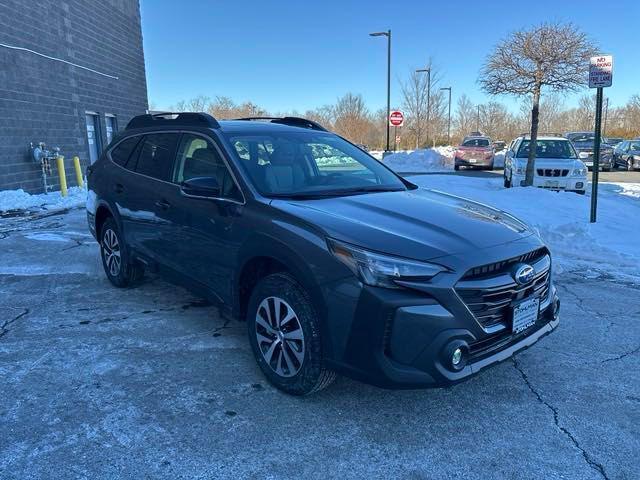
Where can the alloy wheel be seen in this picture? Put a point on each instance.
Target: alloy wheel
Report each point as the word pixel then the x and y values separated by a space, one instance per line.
pixel 111 252
pixel 280 336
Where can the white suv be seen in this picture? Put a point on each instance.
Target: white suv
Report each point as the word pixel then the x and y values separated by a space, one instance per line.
pixel 557 166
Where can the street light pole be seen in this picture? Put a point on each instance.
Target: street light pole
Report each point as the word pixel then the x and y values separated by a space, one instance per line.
pixel 449 116
pixel 388 35
pixel 428 72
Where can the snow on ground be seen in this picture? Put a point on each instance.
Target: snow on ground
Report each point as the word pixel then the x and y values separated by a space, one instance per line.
pixel 437 159
pixel 562 219
pixel 21 200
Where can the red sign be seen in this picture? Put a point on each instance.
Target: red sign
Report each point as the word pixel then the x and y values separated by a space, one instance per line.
pixel 396 118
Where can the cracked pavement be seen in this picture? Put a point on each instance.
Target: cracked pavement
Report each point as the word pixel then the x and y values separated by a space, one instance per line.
pixel 151 383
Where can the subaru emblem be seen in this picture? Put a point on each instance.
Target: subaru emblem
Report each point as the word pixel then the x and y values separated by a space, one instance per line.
pixel 523 274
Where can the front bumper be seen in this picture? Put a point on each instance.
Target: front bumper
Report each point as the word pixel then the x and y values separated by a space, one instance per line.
pixel 569 184
pixel 403 339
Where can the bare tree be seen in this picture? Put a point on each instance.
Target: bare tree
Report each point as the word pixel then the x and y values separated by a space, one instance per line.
pixel 464 117
pixel 551 55
pixel 352 118
pixel 414 104
pixel 195 104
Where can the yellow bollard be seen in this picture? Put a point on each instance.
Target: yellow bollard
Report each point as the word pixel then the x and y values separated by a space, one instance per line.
pixel 76 164
pixel 63 176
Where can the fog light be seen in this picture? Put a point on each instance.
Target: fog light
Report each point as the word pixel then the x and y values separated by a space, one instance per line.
pixel 579 184
pixel 456 358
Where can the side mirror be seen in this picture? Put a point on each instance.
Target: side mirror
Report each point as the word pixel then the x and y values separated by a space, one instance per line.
pixel 207 187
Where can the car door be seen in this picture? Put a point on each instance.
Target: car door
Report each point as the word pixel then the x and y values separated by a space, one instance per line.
pixel 201 239
pixel 618 154
pixel 147 214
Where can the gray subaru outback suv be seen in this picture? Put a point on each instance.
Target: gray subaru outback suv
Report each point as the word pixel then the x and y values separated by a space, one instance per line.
pixel 335 263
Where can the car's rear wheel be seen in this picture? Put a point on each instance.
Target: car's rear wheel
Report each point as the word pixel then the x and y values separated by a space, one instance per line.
pixel 284 332
pixel 119 268
pixel 456 167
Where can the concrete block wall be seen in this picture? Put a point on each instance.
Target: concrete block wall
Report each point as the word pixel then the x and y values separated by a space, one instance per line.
pixel 43 100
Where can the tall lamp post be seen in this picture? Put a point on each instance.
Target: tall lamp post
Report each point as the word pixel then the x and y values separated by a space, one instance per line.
pixel 388 35
pixel 428 72
pixel 449 116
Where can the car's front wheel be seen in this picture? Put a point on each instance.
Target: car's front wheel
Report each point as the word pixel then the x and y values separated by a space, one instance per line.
pixel 120 270
pixel 284 332
pixel 630 165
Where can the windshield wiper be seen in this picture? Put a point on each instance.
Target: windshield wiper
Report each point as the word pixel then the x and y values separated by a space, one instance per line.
pixel 336 193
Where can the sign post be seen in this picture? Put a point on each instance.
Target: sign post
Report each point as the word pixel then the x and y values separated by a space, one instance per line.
pixel 396 119
pixel 600 76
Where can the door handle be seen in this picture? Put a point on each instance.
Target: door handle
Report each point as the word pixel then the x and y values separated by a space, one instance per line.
pixel 163 204
pixel 118 188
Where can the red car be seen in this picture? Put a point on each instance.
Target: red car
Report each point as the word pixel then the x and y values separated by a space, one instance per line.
pixel 475 152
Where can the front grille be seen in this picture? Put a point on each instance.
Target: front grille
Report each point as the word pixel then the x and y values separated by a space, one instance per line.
pixel 505 265
pixel 490 296
pixel 552 172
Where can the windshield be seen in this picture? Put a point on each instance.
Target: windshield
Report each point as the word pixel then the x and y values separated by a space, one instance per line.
pixel 548 149
pixel 310 164
pixel 581 137
pixel 476 142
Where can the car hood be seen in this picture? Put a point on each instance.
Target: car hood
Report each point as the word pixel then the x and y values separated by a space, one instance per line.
pixel 421 224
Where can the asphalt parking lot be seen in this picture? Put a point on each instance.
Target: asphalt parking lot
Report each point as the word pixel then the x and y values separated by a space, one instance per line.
pixel 149 382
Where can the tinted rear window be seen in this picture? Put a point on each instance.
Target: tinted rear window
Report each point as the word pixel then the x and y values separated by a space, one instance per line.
pixel 157 154
pixel 476 142
pixel 123 151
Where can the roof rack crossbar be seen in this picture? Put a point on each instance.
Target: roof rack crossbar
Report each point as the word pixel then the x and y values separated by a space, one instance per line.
pixel 187 119
pixel 291 121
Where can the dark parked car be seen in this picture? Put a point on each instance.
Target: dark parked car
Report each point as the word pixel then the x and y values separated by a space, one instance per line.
pixel 627 155
pixel 584 143
pixel 336 263
pixel 613 142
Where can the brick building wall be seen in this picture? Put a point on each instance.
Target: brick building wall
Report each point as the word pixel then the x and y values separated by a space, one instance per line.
pixel 44 100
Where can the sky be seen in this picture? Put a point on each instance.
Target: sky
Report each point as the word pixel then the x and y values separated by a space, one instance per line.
pixel 296 55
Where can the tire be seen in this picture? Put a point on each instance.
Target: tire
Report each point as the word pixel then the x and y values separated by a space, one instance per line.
pixel 507 181
pixel 289 353
pixel 630 165
pixel 490 167
pixel 119 269
pixel 456 167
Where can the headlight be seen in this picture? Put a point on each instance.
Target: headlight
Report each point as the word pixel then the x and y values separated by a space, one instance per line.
pixel 636 157
pixel 380 270
pixel 580 172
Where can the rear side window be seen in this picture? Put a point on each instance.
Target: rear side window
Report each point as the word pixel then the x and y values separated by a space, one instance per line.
pixel 123 151
pixel 157 154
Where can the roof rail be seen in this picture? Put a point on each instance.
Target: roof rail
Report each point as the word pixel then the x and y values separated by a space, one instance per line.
pixel 291 121
pixel 543 134
pixel 187 119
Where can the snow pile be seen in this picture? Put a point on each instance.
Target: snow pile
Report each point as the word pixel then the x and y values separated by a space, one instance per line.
pixel 498 160
pixel 438 159
pixel 562 218
pixel 21 200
